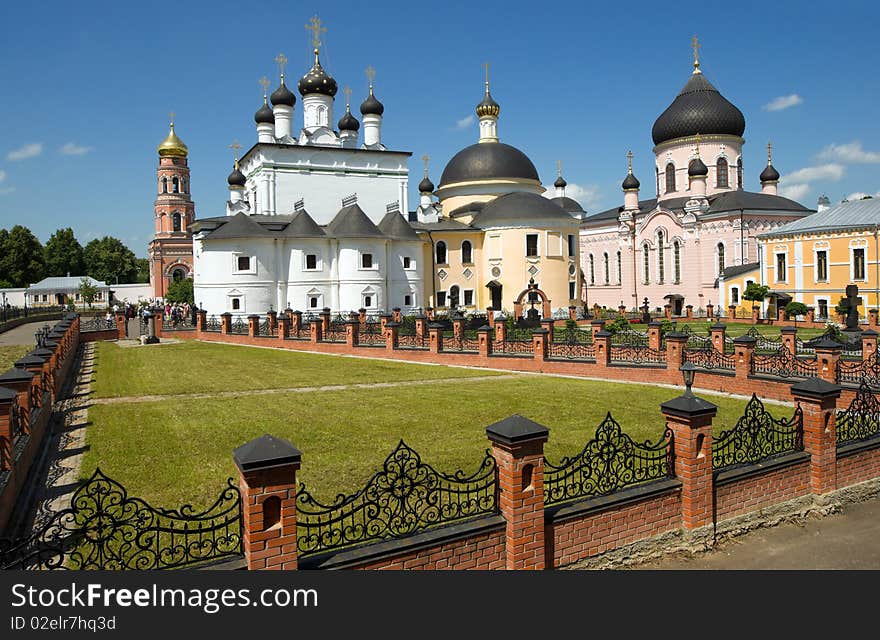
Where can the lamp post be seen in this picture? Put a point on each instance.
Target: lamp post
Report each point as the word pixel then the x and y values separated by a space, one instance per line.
pixel 688 371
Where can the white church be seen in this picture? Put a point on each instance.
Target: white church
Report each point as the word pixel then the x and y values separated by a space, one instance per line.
pixel 288 237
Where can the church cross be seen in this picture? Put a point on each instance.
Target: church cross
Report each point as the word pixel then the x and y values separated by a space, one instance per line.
pixel 769 151
pixel 371 73
pixel 235 147
pixel 347 92
pixel 264 82
pixel 171 115
pixel 559 168
pixel 698 145
pixel 281 59
pixel 425 159
pixel 315 27
pixel 696 46
pixel 629 160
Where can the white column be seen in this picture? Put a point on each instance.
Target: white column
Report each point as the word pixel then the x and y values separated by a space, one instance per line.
pixel 265 201
pixel 283 120
pixel 317 111
pixel 265 132
pixel 488 129
pixel 372 130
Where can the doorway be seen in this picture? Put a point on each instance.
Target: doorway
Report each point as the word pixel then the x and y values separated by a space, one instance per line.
pixel 495 292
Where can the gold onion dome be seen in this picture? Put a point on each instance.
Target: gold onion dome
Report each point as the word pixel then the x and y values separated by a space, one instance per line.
pixel 488 106
pixel 172 145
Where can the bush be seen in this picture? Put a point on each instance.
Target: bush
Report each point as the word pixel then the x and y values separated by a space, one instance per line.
pixel 794 309
pixel 180 291
pixel 618 324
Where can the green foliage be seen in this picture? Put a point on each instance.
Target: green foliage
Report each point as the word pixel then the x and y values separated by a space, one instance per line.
pixel 571 324
pixel 180 291
pixel 143 270
pixel 793 309
pixel 756 292
pixel 87 292
pixel 834 331
pixel 666 326
pixel 841 308
pixel 21 256
pixel 64 255
pixel 108 259
pixel 618 324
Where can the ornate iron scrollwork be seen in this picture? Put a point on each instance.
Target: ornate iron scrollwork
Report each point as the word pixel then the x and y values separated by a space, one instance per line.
pixel 783 364
pixel 860 371
pixel 609 462
pixel 710 359
pixel 403 498
pixel 758 436
pixel 861 420
pixel 633 354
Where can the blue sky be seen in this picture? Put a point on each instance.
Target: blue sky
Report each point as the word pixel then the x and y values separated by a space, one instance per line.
pixel 88 85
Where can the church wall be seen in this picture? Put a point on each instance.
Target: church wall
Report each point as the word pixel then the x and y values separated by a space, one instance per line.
pixel 455 269
pixel 406 281
pixel 681 153
pixel 215 279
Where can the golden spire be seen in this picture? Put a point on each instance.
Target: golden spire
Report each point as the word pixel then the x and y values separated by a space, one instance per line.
pixel 425 159
pixel 264 82
pixel 695 45
pixel 769 153
pixel 371 73
pixel 315 27
pixel 172 145
pixel 281 59
pixel 235 147
pixel 486 65
pixel 699 138
pixel 629 161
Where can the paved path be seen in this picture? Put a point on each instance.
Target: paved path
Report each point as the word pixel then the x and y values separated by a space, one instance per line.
pixel 23 334
pixel 260 392
pixel 846 540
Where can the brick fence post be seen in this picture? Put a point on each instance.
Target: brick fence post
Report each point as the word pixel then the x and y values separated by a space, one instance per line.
pixel 690 420
pixel 518 449
pixel 811 315
pixel 710 311
pixel 226 323
pixel 352 332
pixel 872 317
pixel 253 325
pixel 827 355
pixel 501 329
pixel 818 401
pixel 484 341
pixel 676 343
pixel 540 341
pixel 392 333
pixel 267 469
pixel 158 323
pixel 744 351
pixel 548 324
pixel 718 333
pixel 780 313
pixel 596 326
pixel 325 320
pixel 421 326
pixel 435 332
pixel 789 339
pixel 458 327
pixel 689 311
pixel 362 315
pixel 490 317
pixel 273 321
pixel 395 313
pixel 602 340
pixel 654 338
pixel 667 311
pixel 121 326
pixel 869 343
pixel 731 311
pixel 21 381
pixel 756 314
pixel 429 312
pixel 283 327
pixel 296 323
pixel 621 311
pixel 572 312
pixel 201 321
pixel 317 330
pixel 8 397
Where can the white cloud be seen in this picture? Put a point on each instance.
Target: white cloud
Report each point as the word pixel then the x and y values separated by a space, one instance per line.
pixel 71 149
pixel 794 191
pixel 850 152
pixel 464 123
pixel 783 102
pixel 830 171
pixel 2 175
pixel 586 195
pixel 858 195
pixel 27 151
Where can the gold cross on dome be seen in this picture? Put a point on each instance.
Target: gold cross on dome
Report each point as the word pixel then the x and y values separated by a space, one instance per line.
pixel 698 145
pixel 171 115
pixel 371 73
pixel 315 27
pixel 235 147
pixel 629 160
pixel 769 151
pixel 559 168
pixel 425 159
pixel 347 92
pixel 281 59
pixel 264 82
pixel 695 45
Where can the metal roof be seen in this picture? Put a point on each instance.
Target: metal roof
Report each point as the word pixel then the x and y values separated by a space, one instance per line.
pixel 846 215
pixel 65 282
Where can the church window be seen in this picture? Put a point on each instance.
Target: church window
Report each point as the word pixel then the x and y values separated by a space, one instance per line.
pixel 661 267
pixel 368 302
pixel 823 309
pixel 592 271
pixel 822 266
pixel 739 173
pixel 858 264
pixel 454 296
pixel 676 258
pixel 311 261
pixel 236 304
pixel 572 248
pixel 468 297
pixel 441 298
pixel 646 260
pixel 407 300
pixel 441 252
pixel 314 301
pixel 531 245
pixel 720 251
pixel 734 295
pixel 721 173
pixel 175 221
pixel 466 252
pixel 407 262
pixel 366 261
pixel 175 185
pixel 164 185
pixel 619 268
pixel 606 268
pixel 780 267
pixel 670 178
pixel 571 290
pixel 243 263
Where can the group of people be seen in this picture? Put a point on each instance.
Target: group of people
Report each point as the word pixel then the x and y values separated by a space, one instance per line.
pixel 179 312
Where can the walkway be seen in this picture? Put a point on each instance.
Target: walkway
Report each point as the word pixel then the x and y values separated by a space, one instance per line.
pixel 23 334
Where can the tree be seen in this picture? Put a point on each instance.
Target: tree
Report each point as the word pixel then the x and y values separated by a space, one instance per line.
pixel 143 270
pixel 180 291
pixel 756 292
pixel 109 260
pixel 64 254
pixel 21 257
pixel 87 291
pixel 795 309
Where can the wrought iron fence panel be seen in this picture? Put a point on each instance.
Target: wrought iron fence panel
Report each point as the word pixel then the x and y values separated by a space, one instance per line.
pixel 783 364
pixel 337 331
pixel 861 420
pixel 177 322
pixel 97 323
pixel 213 324
pixel 729 344
pixel 763 343
pixel 104 528
pixel 572 344
pixel 860 371
pixel 238 326
pixel 407 326
pixel 461 343
pixel 370 333
pixel 629 337
pixel 405 497
pixel 413 341
pixel 518 335
pixel 265 328
pixel 572 335
pixel 634 354
pixel 609 462
pixel 513 346
pixel 710 359
pixel 758 436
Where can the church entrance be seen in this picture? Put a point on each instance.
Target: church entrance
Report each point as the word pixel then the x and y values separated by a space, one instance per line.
pixel 676 301
pixel 454 294
pixel 495 292
pixel 60 299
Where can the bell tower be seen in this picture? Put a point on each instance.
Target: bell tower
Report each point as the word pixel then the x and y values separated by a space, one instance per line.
pixel 171 252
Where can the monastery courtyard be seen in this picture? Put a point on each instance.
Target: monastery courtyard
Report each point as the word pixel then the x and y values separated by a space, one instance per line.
pixel 164 419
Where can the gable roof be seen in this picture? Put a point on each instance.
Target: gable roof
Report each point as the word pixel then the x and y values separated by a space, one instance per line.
pixel 302 226
pixel 239 226
pixel 352 222
pixel 394 226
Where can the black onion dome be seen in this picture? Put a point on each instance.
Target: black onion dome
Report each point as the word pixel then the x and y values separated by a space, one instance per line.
pixel 264 114
pixel 348 122
pixel 487 161
pixel 487 106
pixel 560 183
pixel 371 106
pixel 699 108
pixel 769 174
pixel 426 186
pixel 697 168
pixel 630 182
pixel 317 80
pixel 282 95
pixel 236 178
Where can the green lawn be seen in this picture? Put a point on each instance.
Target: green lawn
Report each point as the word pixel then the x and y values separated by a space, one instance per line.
pixel 736 329
pixel 199 367
pixel 9 354
pixel 171 453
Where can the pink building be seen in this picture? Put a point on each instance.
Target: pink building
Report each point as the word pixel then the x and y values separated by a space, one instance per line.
pixel 671 248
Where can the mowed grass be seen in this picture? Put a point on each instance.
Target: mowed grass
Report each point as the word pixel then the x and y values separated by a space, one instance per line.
pixel 10 353
pixel 736 329
pixel 171 453
pixel 200 367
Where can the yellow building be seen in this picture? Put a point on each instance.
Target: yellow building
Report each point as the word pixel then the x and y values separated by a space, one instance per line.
pixel 812 260
pixel 492 234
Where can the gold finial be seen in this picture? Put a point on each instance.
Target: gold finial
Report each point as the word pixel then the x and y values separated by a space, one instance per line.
pixel 281 59
pixel 769 152
pixel 371 73
pixel 559 168
pixel 315 27
pixel 699 138
pixel 629 161
pixel 264 82
pixel 425 159
pixel 695 45
pixel 235 147
pixel 486 65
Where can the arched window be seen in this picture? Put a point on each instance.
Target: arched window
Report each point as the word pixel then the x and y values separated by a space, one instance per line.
pixel 175 185
pixel 739 173
pixel 646 251
pixel 676 259
pixel 454 293
pixel 720 250
pixel 175 221
pixel 592 271
pixel 177 275
pixel 164 185
pixel 606 267
pixel 670 178
pixel 441 252
pixel 466 252
pixel 619 268
pixel 657 180
pixel 721 173
pixel 661 270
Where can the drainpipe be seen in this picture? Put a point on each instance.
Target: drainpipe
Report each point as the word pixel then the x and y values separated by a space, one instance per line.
pixel 433 275
pixel 876 271
pixel 742 253
pixel 632 235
